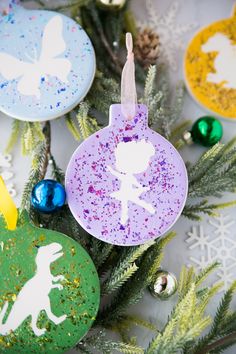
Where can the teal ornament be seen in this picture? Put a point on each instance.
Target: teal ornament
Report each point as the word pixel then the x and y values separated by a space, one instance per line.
pixel 48 196
pixel 207 131
pixel 47 63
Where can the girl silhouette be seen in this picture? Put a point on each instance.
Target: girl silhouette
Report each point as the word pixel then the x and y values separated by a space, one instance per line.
pixel 131 158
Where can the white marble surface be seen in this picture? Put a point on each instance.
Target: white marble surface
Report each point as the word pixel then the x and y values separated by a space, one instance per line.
pixel 179 252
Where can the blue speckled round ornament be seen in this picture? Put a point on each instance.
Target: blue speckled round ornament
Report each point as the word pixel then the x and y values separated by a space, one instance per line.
pixel 47 63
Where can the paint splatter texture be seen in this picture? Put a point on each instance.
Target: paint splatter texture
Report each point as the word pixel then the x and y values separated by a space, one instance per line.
pixel 45 71
pixel 118 192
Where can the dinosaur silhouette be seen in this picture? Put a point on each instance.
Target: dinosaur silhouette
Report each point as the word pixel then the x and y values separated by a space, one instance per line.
pixel 224 62
pixel 34 296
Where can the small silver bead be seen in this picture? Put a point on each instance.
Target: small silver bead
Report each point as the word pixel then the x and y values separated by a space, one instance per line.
pixel 164 286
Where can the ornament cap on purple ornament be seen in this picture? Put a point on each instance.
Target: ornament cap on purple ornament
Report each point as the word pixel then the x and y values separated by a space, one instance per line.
pixel 126 184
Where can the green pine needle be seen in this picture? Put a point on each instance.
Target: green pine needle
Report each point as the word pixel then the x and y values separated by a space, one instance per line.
pixel 15 133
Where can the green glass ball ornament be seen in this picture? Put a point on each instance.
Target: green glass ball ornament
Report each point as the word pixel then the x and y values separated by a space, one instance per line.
pixel 110 5
pixel 164 285
pixel 207 131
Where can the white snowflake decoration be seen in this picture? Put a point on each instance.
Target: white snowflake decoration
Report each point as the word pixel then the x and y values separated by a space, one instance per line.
pixel 218 245
pixel 171 33
pixel 6 173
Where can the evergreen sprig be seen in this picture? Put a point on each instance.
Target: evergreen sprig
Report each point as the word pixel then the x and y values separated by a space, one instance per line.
pixel 214 173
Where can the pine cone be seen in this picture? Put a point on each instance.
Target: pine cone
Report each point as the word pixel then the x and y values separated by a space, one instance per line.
pixel 147 47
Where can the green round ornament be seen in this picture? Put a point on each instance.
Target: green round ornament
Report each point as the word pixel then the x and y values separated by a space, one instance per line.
pixel 207 131
pixel 49 293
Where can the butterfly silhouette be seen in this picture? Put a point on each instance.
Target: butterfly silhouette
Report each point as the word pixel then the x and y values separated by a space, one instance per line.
pixel 30 73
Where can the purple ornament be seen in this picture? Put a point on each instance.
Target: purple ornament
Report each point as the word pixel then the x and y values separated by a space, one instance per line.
pixel 126 184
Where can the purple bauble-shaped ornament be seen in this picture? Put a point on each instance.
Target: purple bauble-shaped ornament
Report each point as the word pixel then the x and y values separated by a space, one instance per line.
pixel 126 184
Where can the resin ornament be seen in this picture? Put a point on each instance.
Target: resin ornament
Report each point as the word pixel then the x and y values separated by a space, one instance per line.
pixel 210 67
pixel 47 63
pixel 49 294
pixel 126 184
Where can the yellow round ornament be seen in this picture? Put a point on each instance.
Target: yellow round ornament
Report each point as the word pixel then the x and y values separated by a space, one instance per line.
pixel 209 67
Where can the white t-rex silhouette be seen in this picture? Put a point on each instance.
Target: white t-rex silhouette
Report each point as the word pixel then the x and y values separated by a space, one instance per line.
pixel 34 296
pixel 224 62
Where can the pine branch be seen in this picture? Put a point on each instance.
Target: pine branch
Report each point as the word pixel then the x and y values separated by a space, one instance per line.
pixel 125 268
pixel 40 160
pixel 57 172
pixel 38 164
pixel 116 282
pixel 72 127
pixel 215 172
pixel 230 339
pixel 97 23
pixel 87 124
pixel 219 326
pixel 100 344
pixel 152 96
pixel 129 321
pixel 173 112
pixel 185 324
pixel 109 92
pixel 132 291
pixel 192 211
pixel 187 319
pixel 15 133
pixel 176 136
pixel 204 274
pixel 150 83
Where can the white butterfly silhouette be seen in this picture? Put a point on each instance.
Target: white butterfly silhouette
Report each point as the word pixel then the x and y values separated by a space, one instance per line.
pixel 30 73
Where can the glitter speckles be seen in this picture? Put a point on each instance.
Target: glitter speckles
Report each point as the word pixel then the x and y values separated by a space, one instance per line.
pixel 94 177
pixel 78 297
pixel 208 59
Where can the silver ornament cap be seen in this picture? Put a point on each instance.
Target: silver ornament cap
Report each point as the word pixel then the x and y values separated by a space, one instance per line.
pixel 164 285
pixel 111 4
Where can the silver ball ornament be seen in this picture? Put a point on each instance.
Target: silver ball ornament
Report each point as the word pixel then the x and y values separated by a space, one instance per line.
pixel 164 285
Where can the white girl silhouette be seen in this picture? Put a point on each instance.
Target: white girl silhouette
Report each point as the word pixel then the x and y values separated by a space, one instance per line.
pixel 131 158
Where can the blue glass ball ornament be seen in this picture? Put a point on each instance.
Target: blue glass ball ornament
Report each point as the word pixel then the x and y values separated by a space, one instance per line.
pixel 48 196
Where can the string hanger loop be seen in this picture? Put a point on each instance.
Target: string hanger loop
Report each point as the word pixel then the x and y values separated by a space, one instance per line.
pixel 128 85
